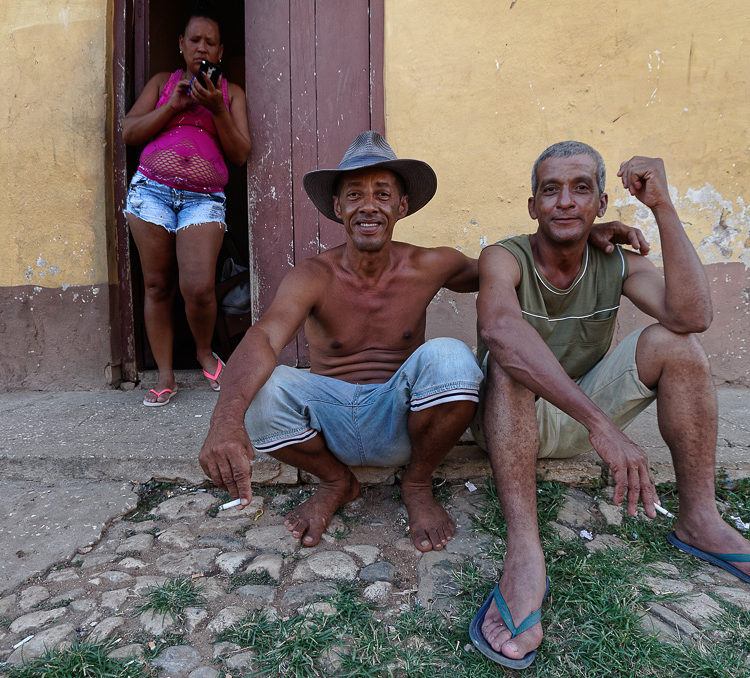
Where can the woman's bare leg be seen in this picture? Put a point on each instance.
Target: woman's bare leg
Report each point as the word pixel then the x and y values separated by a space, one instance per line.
pixel 156 249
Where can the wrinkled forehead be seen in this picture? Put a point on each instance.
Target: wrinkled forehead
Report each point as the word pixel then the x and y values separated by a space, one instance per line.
pixel 365 176
pixel 564 169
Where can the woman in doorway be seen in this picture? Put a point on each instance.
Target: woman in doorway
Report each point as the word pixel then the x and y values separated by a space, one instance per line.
pixel 176 206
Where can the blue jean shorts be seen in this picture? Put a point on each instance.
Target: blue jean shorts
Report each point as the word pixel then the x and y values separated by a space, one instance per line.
pixel 363 424
pixel 173 208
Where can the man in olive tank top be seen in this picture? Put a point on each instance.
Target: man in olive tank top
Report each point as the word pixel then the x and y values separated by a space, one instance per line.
pixel 546 312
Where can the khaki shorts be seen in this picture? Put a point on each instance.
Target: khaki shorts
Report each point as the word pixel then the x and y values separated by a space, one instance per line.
pixel 612 384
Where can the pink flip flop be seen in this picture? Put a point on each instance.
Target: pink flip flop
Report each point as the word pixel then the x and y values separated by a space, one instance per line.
pixel 212 378
pixel 157 403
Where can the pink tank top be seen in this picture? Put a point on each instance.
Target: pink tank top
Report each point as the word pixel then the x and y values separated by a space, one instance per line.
pixel 186 154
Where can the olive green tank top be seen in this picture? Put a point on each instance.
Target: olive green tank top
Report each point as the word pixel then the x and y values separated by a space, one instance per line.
pixel 577 323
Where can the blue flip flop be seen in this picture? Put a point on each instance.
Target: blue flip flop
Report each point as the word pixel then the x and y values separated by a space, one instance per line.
pixel 480 642
pixel 722 560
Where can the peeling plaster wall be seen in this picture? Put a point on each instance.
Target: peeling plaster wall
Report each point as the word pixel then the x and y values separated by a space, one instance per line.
pixel 479 89
pixel 54 272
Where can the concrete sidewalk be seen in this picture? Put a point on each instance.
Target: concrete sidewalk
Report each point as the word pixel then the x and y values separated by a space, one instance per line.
pixel 70 462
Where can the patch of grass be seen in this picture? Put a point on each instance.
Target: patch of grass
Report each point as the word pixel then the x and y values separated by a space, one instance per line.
pixel 149 495
pixel 172 597
pixel 257 578
pixel 5 622
pixel 81 659
pixel 592 617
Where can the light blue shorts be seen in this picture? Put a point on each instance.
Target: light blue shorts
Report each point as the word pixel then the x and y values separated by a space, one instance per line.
pixel 363 424
pixel 172 208
pixel 612 384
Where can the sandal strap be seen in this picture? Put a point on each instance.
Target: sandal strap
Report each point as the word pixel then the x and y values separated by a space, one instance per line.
pixel 534 618
pixel 215 375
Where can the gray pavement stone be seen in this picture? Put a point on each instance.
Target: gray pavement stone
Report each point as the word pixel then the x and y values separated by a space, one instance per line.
pixel 33 620
pixel 227 617
pixel 35 532
pixel 32 596
pixel 178 660
pixel 105 628
pixel 380 571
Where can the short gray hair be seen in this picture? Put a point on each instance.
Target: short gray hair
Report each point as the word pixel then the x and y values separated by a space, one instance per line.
pixel 565 149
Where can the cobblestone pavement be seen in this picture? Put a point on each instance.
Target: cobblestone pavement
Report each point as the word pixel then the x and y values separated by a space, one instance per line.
pixel 98 593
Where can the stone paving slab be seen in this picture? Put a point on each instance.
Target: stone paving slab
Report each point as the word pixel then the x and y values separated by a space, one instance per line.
pixel 43 523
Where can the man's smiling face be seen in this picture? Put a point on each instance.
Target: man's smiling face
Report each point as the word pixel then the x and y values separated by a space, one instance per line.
pixel 369 203
pixel 567 199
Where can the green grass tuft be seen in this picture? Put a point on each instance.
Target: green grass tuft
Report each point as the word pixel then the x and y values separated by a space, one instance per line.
pixel 81 660
pixel 172 597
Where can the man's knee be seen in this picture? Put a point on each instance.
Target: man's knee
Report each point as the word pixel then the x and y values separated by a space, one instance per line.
pixel 449 358
pixel 272 398
pixel 658 346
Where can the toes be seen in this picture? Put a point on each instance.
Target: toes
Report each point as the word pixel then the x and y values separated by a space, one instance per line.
pixel 421 540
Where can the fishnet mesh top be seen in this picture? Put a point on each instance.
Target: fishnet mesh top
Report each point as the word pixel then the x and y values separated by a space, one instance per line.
pixel 186 154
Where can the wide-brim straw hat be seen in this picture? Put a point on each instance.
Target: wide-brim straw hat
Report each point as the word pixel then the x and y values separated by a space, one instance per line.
pixel 370 149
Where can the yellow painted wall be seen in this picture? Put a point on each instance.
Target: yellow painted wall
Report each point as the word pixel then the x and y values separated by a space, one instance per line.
pixel 478 89
pixel 52 143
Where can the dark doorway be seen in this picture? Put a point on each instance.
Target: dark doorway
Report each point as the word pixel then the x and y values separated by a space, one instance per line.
pixel 158 25
pixel 312 71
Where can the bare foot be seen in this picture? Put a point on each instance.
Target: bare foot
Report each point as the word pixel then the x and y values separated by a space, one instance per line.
pixel 523 596
pixel 715 536
pixel 311 517
pixel 429 523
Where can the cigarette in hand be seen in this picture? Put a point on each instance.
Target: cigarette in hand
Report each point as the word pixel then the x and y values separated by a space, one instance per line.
pixel 663 511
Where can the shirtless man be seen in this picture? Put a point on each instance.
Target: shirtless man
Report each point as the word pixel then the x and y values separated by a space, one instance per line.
pixel 376 394
pixel 546 309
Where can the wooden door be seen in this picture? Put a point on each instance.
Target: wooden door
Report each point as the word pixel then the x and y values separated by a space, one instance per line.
pixel 314 82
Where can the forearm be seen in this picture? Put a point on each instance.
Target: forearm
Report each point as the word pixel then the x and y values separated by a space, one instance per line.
pixel 236 146
pixel 139 129
pixel 528 360
pixel 687 294
pixel 248 369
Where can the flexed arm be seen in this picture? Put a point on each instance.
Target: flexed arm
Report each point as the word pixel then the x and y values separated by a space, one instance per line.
pixel 143 121
pixel 681 300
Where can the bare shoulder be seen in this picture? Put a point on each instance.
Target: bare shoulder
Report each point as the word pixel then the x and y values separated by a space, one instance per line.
pixel 441 258
pixel 235 91
pixel 498 263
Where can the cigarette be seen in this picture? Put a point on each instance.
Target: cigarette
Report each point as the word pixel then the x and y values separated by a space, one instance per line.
pixel 23 642
pixel 230 504
pixel 663 511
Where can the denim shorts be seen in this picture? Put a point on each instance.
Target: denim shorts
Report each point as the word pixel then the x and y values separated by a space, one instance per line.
pixel 173 208
pixel 612 384
pixel 362 424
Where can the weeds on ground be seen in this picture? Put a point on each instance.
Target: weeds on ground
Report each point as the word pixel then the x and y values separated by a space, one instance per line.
pixel 257 578
pixel 149 495
pixel 81 659
pixel 172 597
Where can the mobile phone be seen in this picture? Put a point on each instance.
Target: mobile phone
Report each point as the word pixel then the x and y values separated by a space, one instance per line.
pixel 213 71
